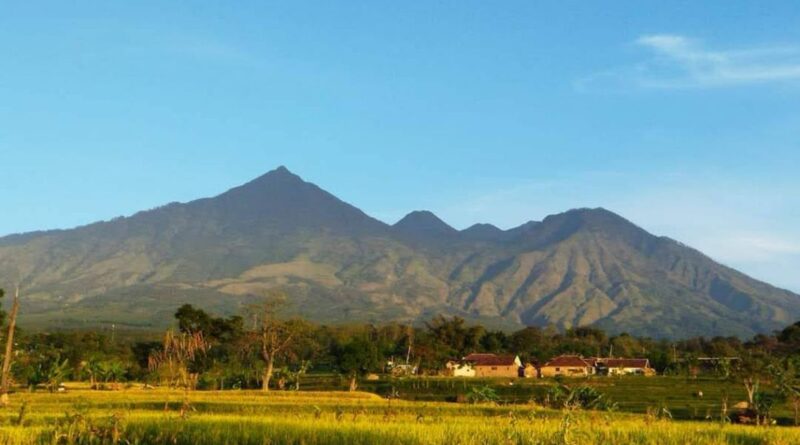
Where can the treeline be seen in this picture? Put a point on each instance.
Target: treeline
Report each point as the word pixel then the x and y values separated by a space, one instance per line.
pixel 265 350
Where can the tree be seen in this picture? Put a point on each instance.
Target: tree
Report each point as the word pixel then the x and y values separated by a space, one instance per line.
pixel 191 320
pixel 625 345
pixel 56 373
pixel 92 368
pixel 12 323
pixel 790 336
pixel 273 336
pixel 174 356
pixel 356 358
pixel 762 406
pixel 751 370
pixel 112 371
pixel 298 373
pixel 532 343
pixel 785 376
pixel 451 337
pixel 218 329
pixel 494 341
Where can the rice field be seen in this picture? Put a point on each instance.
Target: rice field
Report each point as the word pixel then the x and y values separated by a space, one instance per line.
pixel 139 416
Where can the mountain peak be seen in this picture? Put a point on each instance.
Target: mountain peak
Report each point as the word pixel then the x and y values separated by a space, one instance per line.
pixel 483 231
pixel 482 226
pixel 280 174
pixel 583 266
pixel 280 171
pixel 280 198
pixel 423 223
pixel 598 220
pixel 587 218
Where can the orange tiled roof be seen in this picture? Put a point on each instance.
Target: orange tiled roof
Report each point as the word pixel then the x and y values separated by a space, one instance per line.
pixel 568 361
pixel 491 359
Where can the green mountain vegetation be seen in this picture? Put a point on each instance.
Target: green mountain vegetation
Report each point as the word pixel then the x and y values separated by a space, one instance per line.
pixel 581 267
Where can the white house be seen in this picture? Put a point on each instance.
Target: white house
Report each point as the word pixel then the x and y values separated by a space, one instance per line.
pixel 460 369
pixel 625 366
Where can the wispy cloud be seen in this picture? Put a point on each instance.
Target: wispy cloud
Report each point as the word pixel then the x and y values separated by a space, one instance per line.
pixel 675 61
pixel 746 248
pixel 195 46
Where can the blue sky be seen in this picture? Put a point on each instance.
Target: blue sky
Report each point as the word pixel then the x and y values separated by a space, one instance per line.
pixel 682 116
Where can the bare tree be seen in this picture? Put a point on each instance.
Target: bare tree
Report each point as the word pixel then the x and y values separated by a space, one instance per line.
pixel 177 351
pixel 12 323
pixel 173 360
pixel 274 336
pixel 751 385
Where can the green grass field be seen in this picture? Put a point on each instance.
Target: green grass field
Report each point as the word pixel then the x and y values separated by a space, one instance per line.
pixel 138 416
pixel 631 393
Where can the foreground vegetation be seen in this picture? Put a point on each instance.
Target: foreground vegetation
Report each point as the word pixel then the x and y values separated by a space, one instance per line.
pixel 137 416
pixel 198 381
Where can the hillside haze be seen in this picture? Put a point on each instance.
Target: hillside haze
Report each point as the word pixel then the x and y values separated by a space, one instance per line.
pixel 338 264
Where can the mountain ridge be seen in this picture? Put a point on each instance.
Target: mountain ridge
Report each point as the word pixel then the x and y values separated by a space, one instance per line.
pixel 583 266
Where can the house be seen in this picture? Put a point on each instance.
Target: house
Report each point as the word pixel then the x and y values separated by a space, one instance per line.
pixel 625 366
pixel 568 366
pixel 399 369
pixel 592 361
pixel 494 365
pixel 459 368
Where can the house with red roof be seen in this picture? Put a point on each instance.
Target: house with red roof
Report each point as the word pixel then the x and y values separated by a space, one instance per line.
pixel 492 365
pixel 495 365
pixel 567 366
pixel 624 366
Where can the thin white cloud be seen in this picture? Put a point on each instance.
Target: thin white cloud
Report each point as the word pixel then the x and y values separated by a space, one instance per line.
pixel 196 46
pixel 752 247
pixel 676 61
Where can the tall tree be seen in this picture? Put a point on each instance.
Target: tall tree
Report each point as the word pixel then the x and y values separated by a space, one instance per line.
pixel 273 335
pixel 12 323
pixel 175 355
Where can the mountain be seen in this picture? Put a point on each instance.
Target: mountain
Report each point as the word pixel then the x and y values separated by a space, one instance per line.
pixel 422 225
pixel 486 232
pixel 580 267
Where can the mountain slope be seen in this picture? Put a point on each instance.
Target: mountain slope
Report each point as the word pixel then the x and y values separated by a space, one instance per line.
pixel 593 267
pixel 585 266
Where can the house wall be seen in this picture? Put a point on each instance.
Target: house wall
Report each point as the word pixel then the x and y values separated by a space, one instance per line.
pixel 567 371
pixel 463 371
pixel 629 371
pixel 497 371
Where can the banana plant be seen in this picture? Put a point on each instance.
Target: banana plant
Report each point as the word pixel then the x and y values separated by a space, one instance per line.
pixel 56 373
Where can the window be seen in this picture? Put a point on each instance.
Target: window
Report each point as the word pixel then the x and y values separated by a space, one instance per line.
pixel 494 368
pixel 558 369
